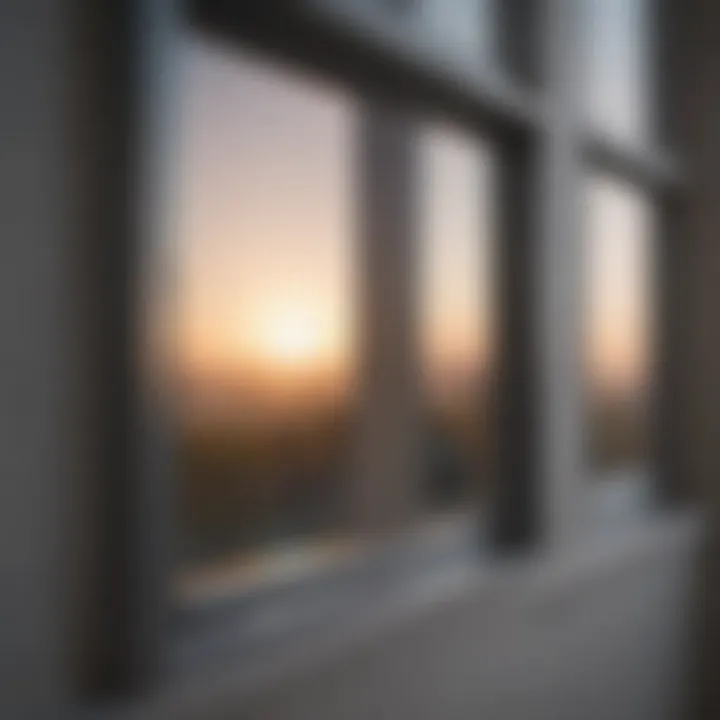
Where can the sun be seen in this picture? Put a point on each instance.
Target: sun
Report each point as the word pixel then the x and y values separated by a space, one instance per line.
pixel 292 338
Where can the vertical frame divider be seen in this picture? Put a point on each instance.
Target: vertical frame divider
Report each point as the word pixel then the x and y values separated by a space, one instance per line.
pixel 540 492
pixel 385 485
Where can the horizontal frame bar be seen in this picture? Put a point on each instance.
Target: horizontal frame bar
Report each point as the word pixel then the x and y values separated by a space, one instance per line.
pixel 651 167
pixel 358 50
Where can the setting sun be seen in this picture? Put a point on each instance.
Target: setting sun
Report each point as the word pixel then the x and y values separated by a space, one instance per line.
pixel 292 338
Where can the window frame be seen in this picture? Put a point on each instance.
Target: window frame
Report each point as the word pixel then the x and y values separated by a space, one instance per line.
pixel 530 113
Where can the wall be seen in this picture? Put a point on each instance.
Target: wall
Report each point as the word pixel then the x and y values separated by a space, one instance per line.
pixel 38 380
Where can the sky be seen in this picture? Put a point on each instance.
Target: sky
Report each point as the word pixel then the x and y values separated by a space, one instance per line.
pixel 265 248
pixel 618 284
pixel 616 41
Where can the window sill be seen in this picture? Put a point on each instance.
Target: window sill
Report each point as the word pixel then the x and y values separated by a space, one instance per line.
pixel 392 597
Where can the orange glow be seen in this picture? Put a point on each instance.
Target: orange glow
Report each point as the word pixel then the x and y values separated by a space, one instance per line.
pixel 619 265
pixel 290 338
pixel 292 341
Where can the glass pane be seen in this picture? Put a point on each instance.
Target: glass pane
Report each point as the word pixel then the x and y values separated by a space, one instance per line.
pixel 618 43
pixel 461 29
pixel 620 275
pixel 456 314
pixel 263 309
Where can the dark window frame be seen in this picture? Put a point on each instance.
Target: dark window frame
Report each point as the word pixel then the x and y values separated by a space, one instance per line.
pixel 530 113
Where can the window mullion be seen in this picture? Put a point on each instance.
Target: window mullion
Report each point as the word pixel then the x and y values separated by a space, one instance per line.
pixel 385 486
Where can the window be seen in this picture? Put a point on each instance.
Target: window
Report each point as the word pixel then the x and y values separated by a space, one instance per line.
pixel 337 325
pixel 376 301
pixel 264 314
pixel 456 313
pixel 301 429
pixel 460 29
pixel 619 322
pixel 619 46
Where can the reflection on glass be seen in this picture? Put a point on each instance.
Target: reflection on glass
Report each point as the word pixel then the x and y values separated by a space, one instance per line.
pixel 263 304
pixel 619 74
pixel 460 29
pixel 619 278
pixel 456 313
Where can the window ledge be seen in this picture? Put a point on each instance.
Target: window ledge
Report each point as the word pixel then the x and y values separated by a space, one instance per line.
pixel 399 598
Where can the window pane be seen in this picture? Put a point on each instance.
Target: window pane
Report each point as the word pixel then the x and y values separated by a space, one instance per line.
pixel 456 314
pixel 461 29
pixel 263 307
pixel 620 258
pixel 618 43
pixel 277 397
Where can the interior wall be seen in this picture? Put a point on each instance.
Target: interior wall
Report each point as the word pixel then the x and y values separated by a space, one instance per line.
pixel 38 381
